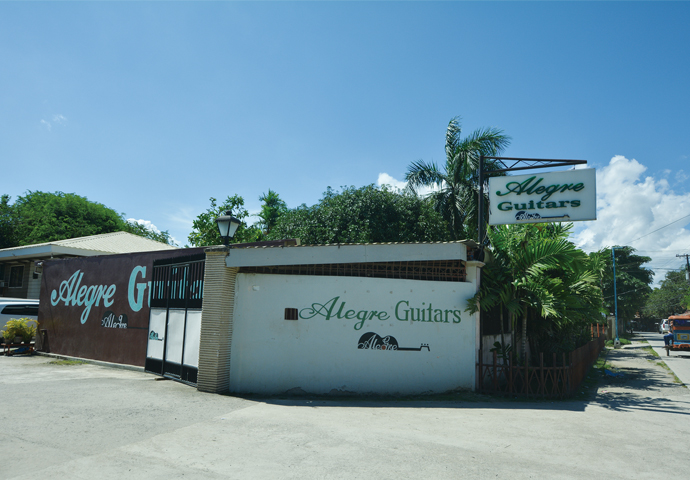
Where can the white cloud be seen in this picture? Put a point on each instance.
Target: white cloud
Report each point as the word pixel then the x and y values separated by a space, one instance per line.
pixel 56 119
pixel 385 179
pixel 146 223
pixel 630 206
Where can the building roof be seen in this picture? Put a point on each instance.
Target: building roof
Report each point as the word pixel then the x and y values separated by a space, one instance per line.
pixel 103 244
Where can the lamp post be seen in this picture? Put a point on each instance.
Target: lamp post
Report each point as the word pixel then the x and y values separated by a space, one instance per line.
pixel 227 226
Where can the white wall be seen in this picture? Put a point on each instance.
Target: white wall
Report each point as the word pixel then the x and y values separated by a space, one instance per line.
pixel 320 355
pixel 34 289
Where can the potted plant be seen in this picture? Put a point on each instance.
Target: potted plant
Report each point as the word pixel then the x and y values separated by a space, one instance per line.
pixel 20 327
pixel 8 335
pixel 29 331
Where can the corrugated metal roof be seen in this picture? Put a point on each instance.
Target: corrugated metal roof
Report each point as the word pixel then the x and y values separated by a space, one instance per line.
pixel 116 242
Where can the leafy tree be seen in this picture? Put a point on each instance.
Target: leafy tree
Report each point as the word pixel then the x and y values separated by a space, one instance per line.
pixel 272 208
pixel 362 215
pixel 671 297
pixel 205 231
pixel 535 273
pixel 144 231
pixel 632 281
pixel 7 237
pixel 457 185
pixel 45 217
pixel 39 217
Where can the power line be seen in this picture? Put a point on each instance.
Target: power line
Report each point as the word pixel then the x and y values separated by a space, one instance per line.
pixel 646 235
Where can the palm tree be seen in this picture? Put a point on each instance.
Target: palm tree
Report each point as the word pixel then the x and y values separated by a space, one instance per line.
pixel 537 270
pixel 455 194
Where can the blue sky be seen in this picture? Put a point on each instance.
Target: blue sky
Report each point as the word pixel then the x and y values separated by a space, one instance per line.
pixel 152 108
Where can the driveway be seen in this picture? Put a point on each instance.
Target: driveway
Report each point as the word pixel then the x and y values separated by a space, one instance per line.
pixel 87 422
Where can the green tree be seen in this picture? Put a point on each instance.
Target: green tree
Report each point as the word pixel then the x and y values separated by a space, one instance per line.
pixel 45 217
pixel 273 207
pixel 670 298
pixel 39 217
pixel 456 186
pixel 7 234
pixel 537 274
pixel 144 231
pixel 362 215
pixel 205 231
pixel 632 282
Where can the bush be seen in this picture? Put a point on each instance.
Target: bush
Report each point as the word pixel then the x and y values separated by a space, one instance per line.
pixel 19 328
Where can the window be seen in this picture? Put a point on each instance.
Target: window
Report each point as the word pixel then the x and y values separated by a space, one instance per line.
pixel 20 310
pixel 16 276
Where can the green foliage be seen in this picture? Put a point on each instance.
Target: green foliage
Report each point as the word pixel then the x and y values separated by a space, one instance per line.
pixel 273 207
pixel 19 327
pixel 45 217
pixel 536 273
pixel 632 281
pixel 146 232
pixel 205 231
pixel 457 186
pixel 671 297
pixel 362 215
pixel 7 236
pixel 39 217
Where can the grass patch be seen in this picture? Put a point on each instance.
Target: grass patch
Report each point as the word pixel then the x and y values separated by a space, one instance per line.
pixel 67 362
pixel 670 372
pixel 650 351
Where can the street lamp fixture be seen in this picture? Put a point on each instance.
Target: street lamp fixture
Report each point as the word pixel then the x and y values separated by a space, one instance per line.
pixel 227 226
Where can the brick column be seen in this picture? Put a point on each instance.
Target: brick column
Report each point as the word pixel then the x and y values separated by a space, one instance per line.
pixel 216 322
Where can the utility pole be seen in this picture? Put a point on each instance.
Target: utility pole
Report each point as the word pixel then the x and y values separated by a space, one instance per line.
pixel 617 342
pixel 687 270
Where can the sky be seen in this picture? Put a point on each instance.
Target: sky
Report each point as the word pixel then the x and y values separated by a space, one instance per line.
pixel 151 108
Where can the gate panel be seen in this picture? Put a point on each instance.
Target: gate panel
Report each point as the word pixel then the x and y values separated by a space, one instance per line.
pixel 175 322
pixel 156 345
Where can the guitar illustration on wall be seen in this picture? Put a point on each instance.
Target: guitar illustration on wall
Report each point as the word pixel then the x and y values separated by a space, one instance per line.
pixel 374 341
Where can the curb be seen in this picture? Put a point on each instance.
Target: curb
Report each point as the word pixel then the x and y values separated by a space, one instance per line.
pixel 100 363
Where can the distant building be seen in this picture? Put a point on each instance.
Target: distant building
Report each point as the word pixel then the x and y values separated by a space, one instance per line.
pixel 21 268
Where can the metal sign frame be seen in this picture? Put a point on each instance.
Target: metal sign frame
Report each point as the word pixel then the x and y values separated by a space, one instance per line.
pixel 531 164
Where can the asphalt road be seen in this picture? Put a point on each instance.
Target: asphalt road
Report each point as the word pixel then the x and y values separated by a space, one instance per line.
pixel 93 422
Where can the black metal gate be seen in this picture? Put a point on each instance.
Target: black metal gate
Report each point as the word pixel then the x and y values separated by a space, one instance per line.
pixel 177 292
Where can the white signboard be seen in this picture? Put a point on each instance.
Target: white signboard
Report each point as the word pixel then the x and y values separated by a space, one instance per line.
pixel 566 196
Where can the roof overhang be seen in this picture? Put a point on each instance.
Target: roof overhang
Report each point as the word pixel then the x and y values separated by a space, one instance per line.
pixel 31 252
pixel 328 254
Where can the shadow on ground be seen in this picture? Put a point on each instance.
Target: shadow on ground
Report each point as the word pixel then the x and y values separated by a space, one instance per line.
pixel 638 383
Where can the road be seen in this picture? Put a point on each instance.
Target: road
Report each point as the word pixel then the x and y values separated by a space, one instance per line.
pixel 92 422
pixel 678 362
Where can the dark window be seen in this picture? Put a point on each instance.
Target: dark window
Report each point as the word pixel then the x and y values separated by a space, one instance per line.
pixel 436 270
pixel 20 310
pixel 16 276
pixel 291 314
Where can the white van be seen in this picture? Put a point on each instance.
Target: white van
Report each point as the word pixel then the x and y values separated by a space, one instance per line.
pixel 17 308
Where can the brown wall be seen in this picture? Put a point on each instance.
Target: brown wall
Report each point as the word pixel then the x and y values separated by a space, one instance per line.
pixel 78 331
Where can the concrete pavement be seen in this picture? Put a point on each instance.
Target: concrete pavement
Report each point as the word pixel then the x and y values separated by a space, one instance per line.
pixel 678 362
pixel 87 421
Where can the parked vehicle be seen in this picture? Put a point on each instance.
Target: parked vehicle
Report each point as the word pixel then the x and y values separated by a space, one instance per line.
pixel 680 328
pixel 664 327
pixel 17 308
